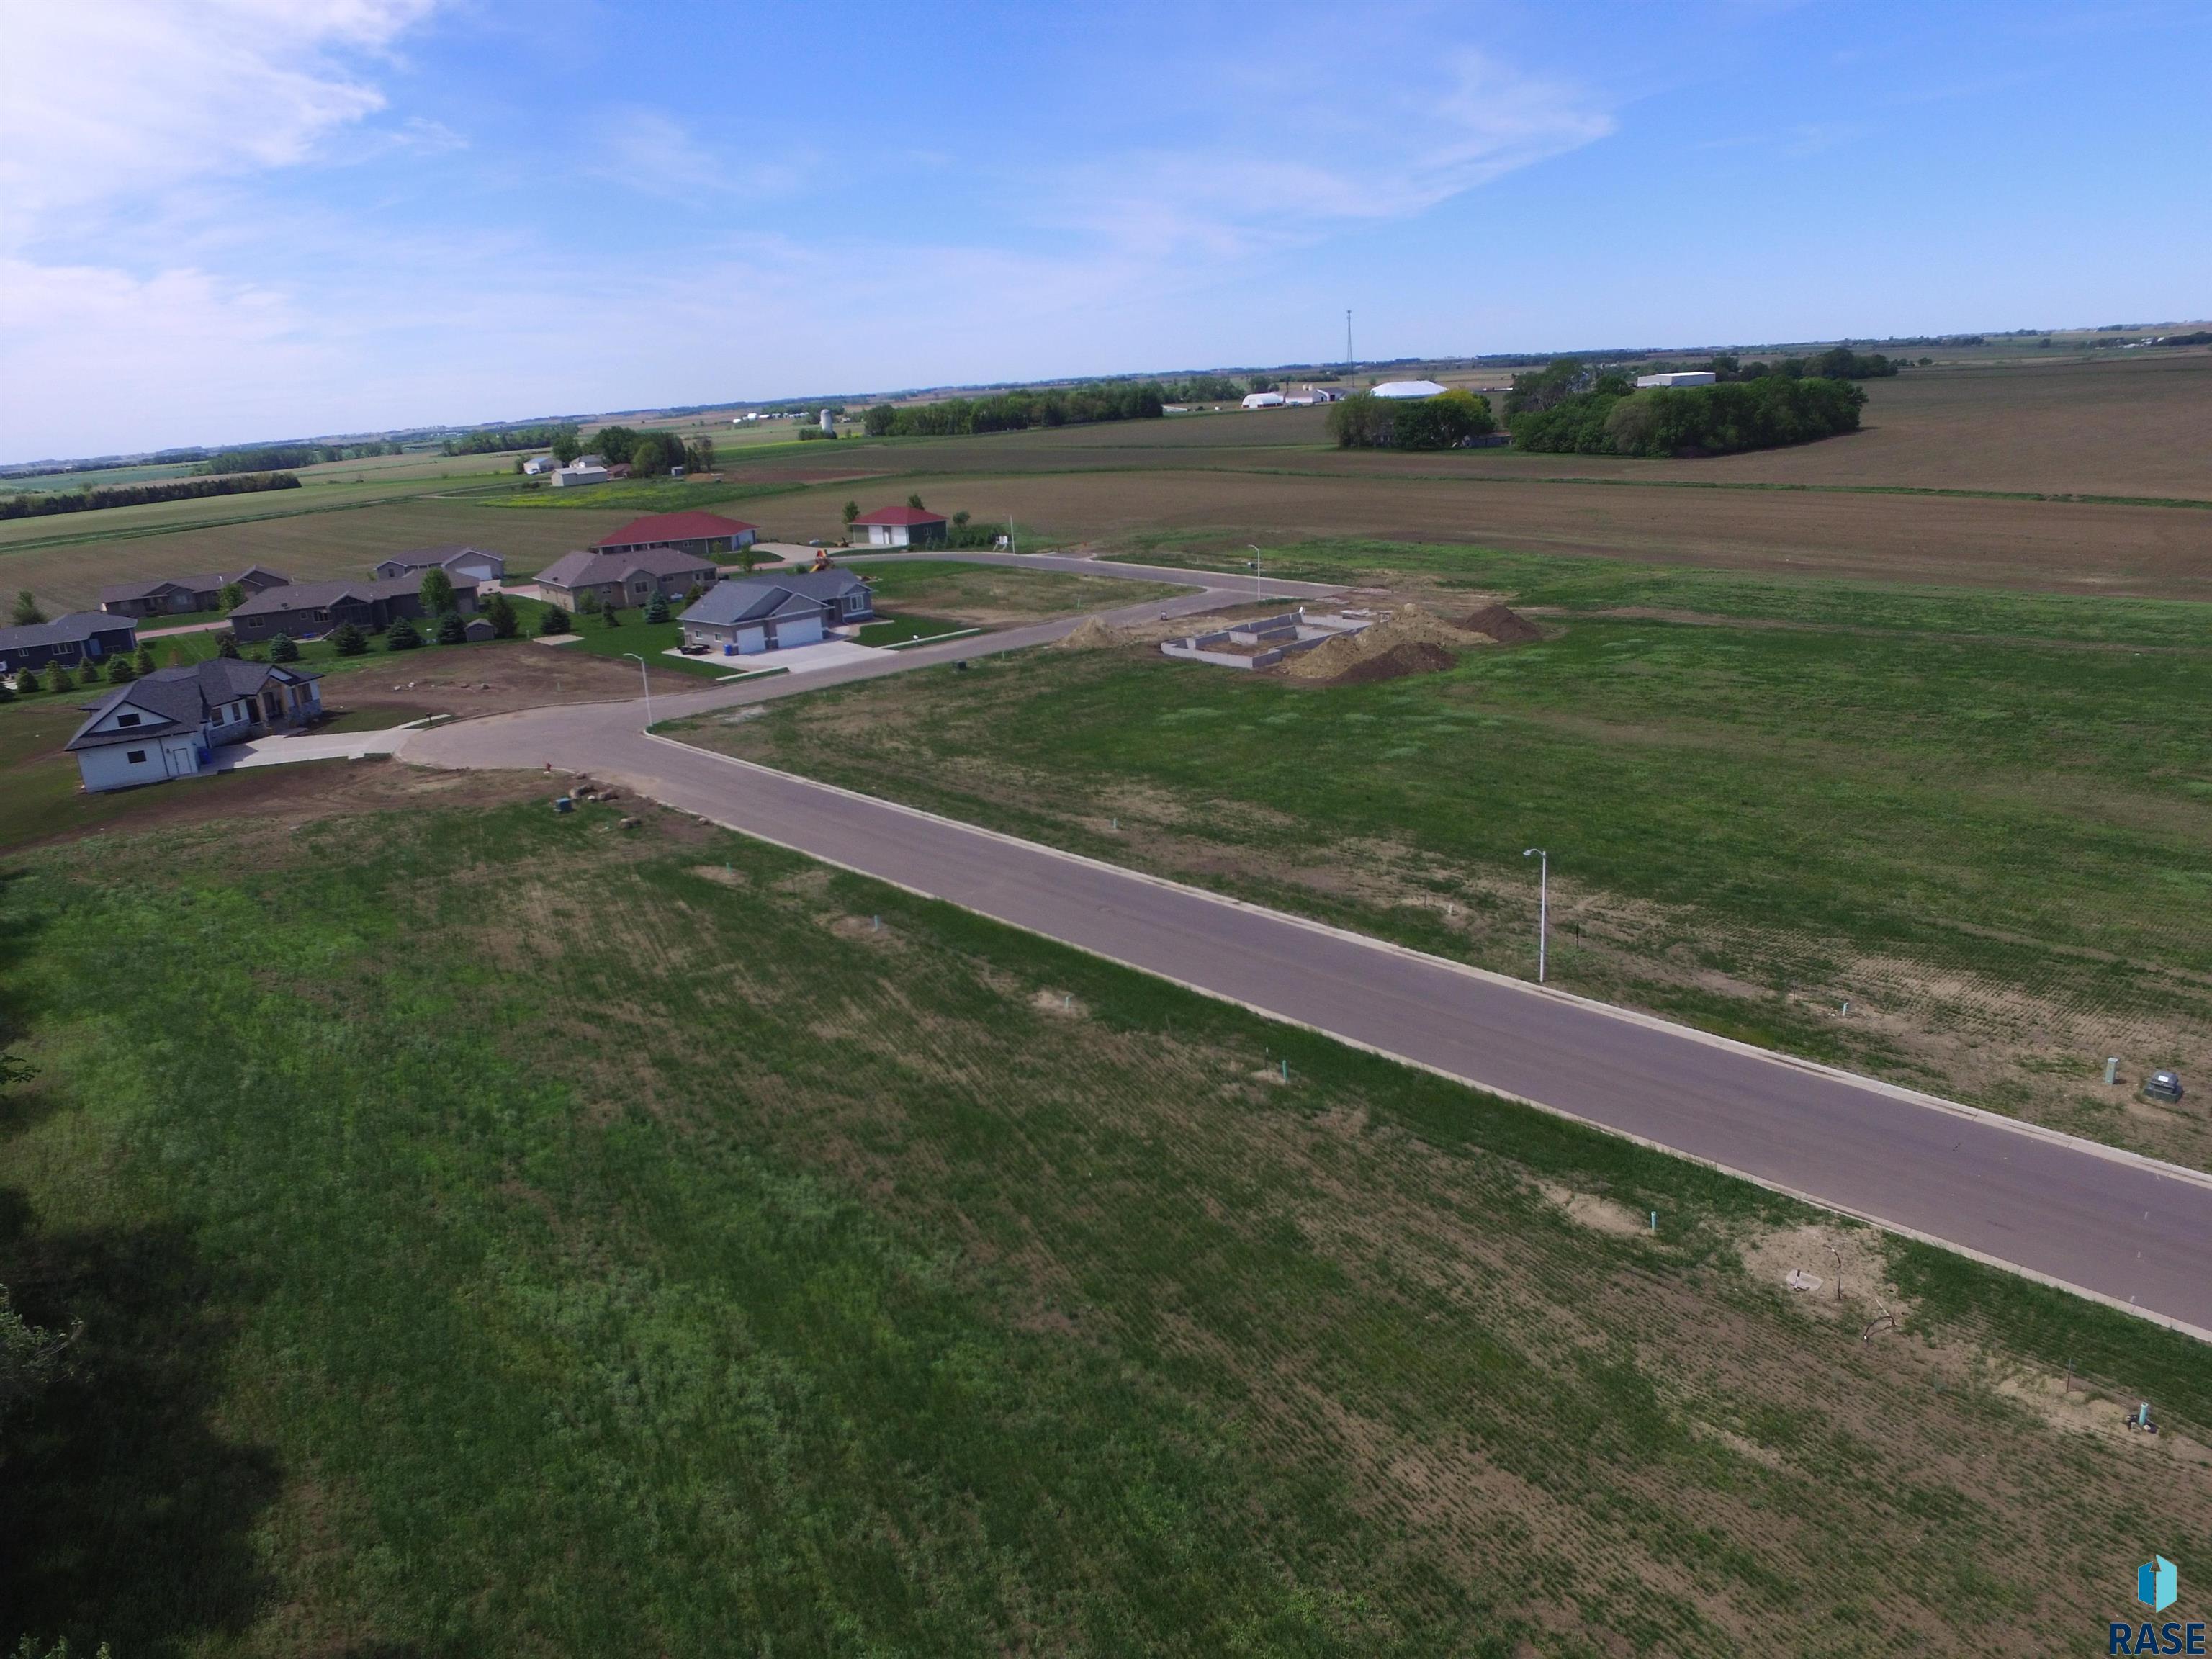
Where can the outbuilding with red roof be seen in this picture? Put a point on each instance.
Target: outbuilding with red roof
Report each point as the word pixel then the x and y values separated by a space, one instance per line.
pixel 700 534
pixel 899 526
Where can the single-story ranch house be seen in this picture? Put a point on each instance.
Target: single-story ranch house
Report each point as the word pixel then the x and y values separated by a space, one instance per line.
pixel 176 596
pixel 458 560
pixel 617 579
pixel 899 526
pixel 169 724
pixel 309 609
pixel 771 613
pixel 704 534
pixel 78 637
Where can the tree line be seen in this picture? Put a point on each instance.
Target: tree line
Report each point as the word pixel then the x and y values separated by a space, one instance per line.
pixel 1015 411
pixel 1610 417
pixel 493 441
pixel 32 506
pixel 1363 420
pixel 274 457
pixel 648 454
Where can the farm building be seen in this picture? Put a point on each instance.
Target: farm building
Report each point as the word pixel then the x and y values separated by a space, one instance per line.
pixel 742 618
pixel 458 560
pixel 308 609
pixel 177 596
pixel 169 724
pixel 1679 377
pixel 1264 400
pixel 617 580
pixel 1409 389
pixel 81 636
pixel 702 534
pixel 539 465
pixel 584 470
pixel 899 526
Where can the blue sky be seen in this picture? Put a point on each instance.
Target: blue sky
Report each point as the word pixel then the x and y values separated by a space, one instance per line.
pixel 289 218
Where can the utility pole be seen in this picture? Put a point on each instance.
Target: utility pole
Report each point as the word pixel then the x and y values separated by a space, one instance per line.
pixel 647 680
pixel 1258 593
pixel 1347 337
pixel 1543 904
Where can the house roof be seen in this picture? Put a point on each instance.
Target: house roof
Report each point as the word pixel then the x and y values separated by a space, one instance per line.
pixel 658 529
pixel 588 568
pixel 318 596
pixel 178 699
pixel 442 556
pixel 74 629
pixel 908 515
pixel 1409 389
pixel 208 582
pixel 797 593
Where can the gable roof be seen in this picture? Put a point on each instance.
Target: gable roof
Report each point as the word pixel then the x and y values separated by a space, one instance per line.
pixel 797 594
pixel 318 596
pixel 74 629
pixel 657 529
pixel 908 515
pixel 176 700
pixel 586 569
pixel 207 582
pixel 443 555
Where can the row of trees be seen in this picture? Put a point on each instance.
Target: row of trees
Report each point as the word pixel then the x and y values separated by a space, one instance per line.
pixel 1015 411
pixel 272 458
pixel 62 676
pixel 1838 363
pixel 493 441
pixel 1612 418
pixel 1363 420
pixel 648 454
pixel 34 505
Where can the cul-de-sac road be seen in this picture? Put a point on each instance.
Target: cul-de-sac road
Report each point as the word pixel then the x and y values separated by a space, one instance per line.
pixel 2124 1229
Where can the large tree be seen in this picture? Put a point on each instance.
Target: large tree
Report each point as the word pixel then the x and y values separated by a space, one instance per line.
pixel 437 591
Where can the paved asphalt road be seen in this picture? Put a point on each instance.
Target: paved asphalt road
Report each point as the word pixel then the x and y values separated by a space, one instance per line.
pixel 2126 1230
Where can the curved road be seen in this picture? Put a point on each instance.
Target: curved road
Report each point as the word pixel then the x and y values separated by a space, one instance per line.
pixel 2123 1229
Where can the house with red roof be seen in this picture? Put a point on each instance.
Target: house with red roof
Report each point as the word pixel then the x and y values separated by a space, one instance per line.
pixel 700 534
pixel 899 526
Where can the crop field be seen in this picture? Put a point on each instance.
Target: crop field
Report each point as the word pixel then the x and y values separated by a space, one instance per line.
pixel 1983 821
pixel 650 1240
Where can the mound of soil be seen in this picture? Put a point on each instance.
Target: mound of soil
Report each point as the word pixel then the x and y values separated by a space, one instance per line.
pixel 1410 625
pixel 1416 657
pixel 1091 635
pixel 1506 627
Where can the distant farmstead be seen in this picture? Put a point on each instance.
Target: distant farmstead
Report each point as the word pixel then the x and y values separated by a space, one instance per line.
pixel 701 534
pixel 1264 400
pixel 584 470
pixel 900 526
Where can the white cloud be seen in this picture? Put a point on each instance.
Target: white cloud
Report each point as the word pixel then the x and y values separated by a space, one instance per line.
pixel 127 97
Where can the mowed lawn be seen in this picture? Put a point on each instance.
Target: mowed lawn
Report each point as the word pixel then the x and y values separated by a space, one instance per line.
pixel 1982 821
pixel 495 1231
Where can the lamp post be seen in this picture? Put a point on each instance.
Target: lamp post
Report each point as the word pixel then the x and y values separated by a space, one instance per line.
pixel 1258 593
pixel 1543 903
pixel 645 680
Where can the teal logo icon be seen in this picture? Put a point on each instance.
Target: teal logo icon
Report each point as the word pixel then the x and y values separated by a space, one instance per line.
pixel 2158 1583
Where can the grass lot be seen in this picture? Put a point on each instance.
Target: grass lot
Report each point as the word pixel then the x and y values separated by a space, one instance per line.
pixel 993 595
pixel 1983 820
pixel 898 630
pixel 603 1243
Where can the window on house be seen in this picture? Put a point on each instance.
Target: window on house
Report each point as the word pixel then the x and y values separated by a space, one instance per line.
pixel 127 720
pixel 136 758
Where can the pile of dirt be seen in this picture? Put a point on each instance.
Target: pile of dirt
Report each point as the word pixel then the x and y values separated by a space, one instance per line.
pixel 1333 660
pixel 1396 663
pixel 1091 635
pixel 1506 627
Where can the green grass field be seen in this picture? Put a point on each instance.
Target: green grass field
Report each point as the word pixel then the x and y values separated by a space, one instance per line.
pixel 1984 821
pixel 585 1242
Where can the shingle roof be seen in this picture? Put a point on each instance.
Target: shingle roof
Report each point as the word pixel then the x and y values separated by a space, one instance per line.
pixel 178 699
pixel 316 596
pixel 585 569
pixel 206 582
pixel 657 529
pixel 422 558
pixel 755 601
pixel 908 515
pixel 75 628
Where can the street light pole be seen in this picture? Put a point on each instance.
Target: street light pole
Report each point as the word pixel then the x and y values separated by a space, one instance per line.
pixel 645 680
pixel 1543 904
pixel 1258 593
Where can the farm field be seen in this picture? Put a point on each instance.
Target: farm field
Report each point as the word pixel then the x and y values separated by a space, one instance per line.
pixel 613 1239
pixel 1984 821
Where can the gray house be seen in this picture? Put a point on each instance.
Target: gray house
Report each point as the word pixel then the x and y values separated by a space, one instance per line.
pixel 81 636
pixel 310 610
pixel 169 724
pixel 457 559
pixel 176 596
pixel 739 618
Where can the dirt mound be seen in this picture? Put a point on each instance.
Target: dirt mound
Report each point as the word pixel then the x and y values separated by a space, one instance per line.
pixel 1506 627
pixel 1333 659
pixel 1399 661
pixel 1091 635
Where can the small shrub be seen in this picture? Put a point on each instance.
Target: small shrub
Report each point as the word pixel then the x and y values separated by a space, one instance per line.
pixel 226 644
pixel 610 617
pixel 88 672
pixel 554 621
pixel 589 605
pixel 281 649
pixel 121 672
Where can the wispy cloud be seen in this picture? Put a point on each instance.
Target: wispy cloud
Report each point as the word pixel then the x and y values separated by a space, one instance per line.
pixel 646 150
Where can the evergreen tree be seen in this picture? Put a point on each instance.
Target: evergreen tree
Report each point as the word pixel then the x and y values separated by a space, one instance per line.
pixel 226 644
pixel 349 640
pixel 656 610
pixel 281 649
pixel 88 672
pixel 610 617
pixel 589 605
pixel 119 671
pixel 554 621
pixel 451 630
pixel 401 636
pixel 500 613
pixel 145 665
